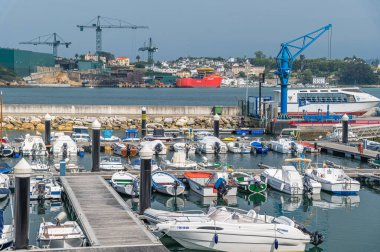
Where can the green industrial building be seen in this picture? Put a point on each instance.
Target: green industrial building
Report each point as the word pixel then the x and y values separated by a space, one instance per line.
pixel 23 63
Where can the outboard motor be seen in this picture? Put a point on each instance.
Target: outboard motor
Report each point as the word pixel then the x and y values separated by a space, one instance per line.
pixel 41 186
pixel 221 187
pixel 217 147
pixel 158 148
pixel 315 237
pixel 60 218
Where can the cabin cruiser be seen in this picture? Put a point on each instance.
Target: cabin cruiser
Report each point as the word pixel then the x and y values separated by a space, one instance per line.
pixel 60 234
pixel 167 183
pixel 155 216
pixel 232 229
pixel 286 146
pixel 110 163
pixel 33 146
pixel 81 134
pixel 65 146
pixel 157 146
pixel 239 148
pixel 107 136
pixel 334 180
pixel 352 101
pixel 211 145
pixel 179 161
pixel 125 183
pixel 185 147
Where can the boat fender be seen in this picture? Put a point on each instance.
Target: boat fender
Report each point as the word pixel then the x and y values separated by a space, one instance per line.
pixel 216 238
pixel 276 243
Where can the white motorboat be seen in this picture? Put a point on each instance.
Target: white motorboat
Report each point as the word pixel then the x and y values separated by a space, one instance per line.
pixel 107 136
pixel 334 180
pixel 185 147
pixel 39 166
pixel 33 146
pixel 110 163
pixel 239 148
pixel 81 134
pixel 155 216
pixel 70 167
pixel 199 135
pixel 231 229
pixel 6 237
pixel 166 183
pixel 6 150
pixel 337 134
pixel 205 164
pixel 125 183
pixel 44 187
pixel 64 145
pixel 286 146
pixel 351 100
pixel 61 234
pixel 179 162
pixel 124 149
pixel 210 184
pixel 136 165
pixel 287 179
pixel 157 146
pixel 211 145
pixel 4 186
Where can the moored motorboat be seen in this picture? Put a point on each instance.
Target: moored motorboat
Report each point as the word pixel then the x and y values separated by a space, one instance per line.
pixel 6 150
pixel 286 146
pixel 65 146
pixel 4 186
pixel 110 163
pixel 107 136
pixel 205 164
pixel 44 187
pixel 334 180
pixel 155 216
pixel 124 150
pixel 39 166
pixel 33 146
pixel 239 148
pixel 185 147
pixel 157 146
pixel 131 135
pixel 125 183
pixel 61 234
pixel 166 183
pixel 211 145
pixel 179 162
pixel 231 229
pixel 286 179
pixel 136 165
pixel 211 184
pixel 258 147
pixel 248 182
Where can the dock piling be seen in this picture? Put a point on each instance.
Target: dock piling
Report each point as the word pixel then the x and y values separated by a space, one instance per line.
pixel 146 155
pixel 345 129
pixel 95 146
pixel 143 122
pixel 216 125
pixel 22 172
pixel 47 129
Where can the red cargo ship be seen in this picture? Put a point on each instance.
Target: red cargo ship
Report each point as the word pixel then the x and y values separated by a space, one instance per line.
pixel 205 79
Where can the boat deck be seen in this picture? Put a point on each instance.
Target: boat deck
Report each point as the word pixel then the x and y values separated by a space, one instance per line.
pixel 104 216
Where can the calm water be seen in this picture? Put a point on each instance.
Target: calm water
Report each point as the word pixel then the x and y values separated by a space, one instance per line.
pixel 136 96
pixel 348 223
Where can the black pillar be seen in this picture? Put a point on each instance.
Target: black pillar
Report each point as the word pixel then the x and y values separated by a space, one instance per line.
pixel 95 146
pixel 145 179
pixel 216 125
pixel 143 122
pixel 22 213
pixel 345 129
pixel 47 129
pixel 261 80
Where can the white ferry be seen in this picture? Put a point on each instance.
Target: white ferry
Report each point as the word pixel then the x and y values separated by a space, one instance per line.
pixel 351 100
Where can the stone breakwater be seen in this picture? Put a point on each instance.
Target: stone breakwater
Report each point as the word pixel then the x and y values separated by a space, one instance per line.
pixel 66 123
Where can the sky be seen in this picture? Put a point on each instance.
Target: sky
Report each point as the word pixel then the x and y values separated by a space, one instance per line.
pixel 226 28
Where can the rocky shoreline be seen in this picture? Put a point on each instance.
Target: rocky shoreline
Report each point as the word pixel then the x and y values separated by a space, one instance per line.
pixel 66 123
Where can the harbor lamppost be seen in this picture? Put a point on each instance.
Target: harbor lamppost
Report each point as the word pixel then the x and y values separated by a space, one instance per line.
pixel 22 172
pixel 345 129
pixel 216 125
pixel 47 130
pixel 95 145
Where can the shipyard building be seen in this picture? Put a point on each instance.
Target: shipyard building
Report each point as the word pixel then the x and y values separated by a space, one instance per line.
pixel 22 62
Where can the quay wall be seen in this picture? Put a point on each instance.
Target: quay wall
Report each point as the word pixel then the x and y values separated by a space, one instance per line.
pixel 110 110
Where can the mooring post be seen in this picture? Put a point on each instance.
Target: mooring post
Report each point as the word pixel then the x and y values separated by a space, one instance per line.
pixel 345 129
pixel 48 130
pixel 22 172
pixel 95 145
pixel 143 122
pixel 62 168
pixel 216 125
pixel 146 155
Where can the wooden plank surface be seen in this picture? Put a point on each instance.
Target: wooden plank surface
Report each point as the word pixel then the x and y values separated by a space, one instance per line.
pixel 347 149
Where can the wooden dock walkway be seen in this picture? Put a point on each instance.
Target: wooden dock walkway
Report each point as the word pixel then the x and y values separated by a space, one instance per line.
pixel 346 151
pixel 105 217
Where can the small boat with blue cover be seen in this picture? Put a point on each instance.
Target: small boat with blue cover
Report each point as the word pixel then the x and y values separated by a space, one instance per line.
pixel 259 147
pixel 166 183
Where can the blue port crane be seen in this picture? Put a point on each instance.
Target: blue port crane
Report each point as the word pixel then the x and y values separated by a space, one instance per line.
pixel 285 59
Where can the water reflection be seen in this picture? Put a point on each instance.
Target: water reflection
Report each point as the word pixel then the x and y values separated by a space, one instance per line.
pixel 330 201
pixel 285 202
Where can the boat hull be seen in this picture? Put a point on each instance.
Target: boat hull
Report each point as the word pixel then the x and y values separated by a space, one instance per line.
pixel 209 191
pixel 283 186
pixel 205 82
pixel 61 243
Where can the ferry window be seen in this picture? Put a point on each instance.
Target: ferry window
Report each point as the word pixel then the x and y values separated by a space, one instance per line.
pixel 334 91
pixel 324 90
pixel 313 91
pixel 303 91
pixel 211 228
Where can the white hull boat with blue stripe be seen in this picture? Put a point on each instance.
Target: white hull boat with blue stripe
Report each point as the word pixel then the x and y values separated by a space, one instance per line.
pixel 167 184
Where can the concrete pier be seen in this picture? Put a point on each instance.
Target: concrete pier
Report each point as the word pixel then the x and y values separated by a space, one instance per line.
pixel 346 151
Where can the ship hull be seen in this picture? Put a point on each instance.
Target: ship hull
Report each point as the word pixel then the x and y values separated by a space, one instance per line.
pixel 205 82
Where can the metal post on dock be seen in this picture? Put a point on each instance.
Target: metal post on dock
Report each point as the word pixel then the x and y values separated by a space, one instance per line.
pixel 261 81
pixel 62 168
pixel 216 125
pixel 146 155
pixel 345 129
pixel 95 145
pixel 143 122
pixel 22 172
pixel 47 130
